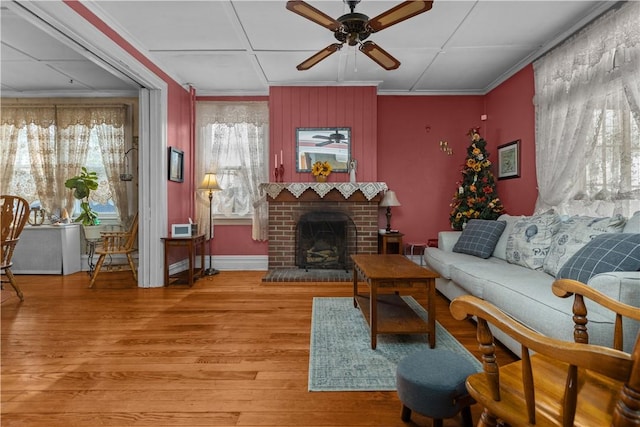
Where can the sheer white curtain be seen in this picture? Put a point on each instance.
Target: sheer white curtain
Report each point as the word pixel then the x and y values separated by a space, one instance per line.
pixel 587 118
pixel 109 124
pixel 232 141
pixel 70 154
pixel 58 140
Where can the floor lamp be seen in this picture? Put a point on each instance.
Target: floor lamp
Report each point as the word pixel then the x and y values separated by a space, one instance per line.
pixel 210 183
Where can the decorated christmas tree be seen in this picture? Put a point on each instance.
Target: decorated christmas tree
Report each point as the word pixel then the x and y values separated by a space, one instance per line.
pixel 476 195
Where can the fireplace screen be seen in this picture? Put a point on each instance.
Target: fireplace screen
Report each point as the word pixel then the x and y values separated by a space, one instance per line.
pixel 324 240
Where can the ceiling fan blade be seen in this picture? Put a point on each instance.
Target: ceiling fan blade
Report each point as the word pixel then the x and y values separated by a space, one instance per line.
pixel 322 144
pixel 399 13
pixel 307 11
pixel 379 55
pixel 313 60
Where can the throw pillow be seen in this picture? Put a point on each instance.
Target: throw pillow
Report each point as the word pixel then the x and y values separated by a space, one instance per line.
pixel 530 240
pixel 604 253
pixel 573 234
pixel 479 237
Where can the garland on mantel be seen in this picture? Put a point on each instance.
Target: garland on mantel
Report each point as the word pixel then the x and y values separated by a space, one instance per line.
pixel 368 189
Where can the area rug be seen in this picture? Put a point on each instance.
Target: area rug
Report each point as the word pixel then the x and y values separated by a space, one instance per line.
pixel 341 358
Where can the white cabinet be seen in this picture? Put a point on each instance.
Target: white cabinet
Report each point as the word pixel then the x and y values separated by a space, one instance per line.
pixel 48 249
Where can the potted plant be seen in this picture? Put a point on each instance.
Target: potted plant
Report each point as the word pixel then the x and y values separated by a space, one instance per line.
pixel 82 185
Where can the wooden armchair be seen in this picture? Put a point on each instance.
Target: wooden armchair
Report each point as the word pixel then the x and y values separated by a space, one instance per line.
pixel 14 215
pixel 563 383
pixel 117 243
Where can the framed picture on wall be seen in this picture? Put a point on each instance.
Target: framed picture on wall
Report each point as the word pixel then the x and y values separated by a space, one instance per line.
pixel 176 165
pixel 331 145
pixel 509 160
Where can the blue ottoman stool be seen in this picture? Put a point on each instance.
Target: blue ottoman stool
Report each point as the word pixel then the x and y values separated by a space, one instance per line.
pixel 432 383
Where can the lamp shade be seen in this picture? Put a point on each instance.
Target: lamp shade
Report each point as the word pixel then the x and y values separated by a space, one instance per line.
pixel 390 199
pixel 209 182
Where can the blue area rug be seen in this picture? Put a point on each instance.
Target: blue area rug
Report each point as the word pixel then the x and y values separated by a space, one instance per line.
pixel 341 358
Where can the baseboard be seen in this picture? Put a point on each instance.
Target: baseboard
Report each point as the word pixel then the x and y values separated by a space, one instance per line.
pixel 227 263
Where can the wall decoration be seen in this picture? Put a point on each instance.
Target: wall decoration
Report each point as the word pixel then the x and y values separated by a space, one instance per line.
pixel 509 160
pixel 176 165
pixel 332 145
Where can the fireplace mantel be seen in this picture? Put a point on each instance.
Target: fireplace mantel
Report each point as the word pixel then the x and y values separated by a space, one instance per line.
pixel 368 189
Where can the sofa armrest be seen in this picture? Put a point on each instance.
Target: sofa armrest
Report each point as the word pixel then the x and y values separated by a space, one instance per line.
pixel 448 239
pixel 620 285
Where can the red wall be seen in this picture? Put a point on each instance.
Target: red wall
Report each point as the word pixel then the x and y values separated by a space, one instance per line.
pixel 354 107
pixel 511 116
pixel 410 161
pixel 396 140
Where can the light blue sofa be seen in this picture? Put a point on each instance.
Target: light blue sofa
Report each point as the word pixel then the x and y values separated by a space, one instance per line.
pixel 525 293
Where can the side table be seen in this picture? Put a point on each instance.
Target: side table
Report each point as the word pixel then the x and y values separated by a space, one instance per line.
pixel 387 243
pixel 194 244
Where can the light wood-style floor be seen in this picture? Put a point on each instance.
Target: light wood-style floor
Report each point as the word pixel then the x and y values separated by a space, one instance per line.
pixel 231 351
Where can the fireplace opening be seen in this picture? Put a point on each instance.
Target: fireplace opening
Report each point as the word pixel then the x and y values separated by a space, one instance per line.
pixel 325 240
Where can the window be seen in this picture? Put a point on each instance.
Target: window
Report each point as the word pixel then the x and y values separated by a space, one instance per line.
pixel 587 118
pixel 24 183
pixel 232 147
pixel 616 158
pixel 232 141
pixel 44 145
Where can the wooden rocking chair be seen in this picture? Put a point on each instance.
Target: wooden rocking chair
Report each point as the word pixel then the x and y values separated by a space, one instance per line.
pixel 15 213
pixel 563 383
pixel 117 243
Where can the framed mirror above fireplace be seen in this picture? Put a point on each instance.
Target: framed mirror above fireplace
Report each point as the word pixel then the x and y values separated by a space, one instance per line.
pixel 331 145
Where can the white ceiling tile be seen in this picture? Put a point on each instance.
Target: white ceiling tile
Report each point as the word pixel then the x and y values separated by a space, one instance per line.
pixel 468 70
pixel 175 25
pixel 221 71
pixel 21 76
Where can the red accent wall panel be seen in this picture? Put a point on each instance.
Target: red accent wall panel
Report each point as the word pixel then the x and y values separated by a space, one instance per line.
pixel 354 107
pixel 410 161
pixel 511 116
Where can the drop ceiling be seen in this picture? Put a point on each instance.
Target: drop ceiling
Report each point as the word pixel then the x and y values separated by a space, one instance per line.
pixel 243 47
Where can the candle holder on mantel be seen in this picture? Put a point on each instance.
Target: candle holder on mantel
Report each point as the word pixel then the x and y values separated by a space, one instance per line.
pixel 276 173
pixel 281 172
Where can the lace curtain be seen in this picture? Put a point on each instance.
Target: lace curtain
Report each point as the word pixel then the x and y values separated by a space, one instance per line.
pixel 587 118
pixel 232 141
pixel 58 139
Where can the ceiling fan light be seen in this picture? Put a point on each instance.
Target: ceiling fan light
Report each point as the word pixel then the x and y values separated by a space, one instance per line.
pixel 401 12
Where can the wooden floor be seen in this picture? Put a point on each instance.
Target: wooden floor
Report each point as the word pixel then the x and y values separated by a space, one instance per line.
pixel 231 351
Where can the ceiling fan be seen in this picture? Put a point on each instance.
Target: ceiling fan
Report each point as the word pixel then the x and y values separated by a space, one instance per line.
pixel 353 28
pixel 330 139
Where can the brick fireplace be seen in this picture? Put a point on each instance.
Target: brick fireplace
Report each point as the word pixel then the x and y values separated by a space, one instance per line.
pixel 290 201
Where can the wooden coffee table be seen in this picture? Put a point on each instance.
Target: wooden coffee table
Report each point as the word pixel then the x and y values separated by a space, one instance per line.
pixel 386 312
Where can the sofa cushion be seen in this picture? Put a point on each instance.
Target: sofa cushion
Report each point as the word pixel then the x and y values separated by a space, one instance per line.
pixel 527 297
pixel 479 237
pixel 441 261
pixel 475 277
pixel 573 234
pixel 604 253
pixel 633 224
pixel 530 240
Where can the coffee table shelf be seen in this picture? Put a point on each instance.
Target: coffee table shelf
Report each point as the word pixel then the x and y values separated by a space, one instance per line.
pixel 395 316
